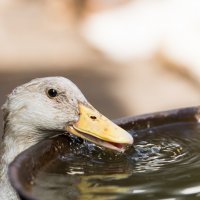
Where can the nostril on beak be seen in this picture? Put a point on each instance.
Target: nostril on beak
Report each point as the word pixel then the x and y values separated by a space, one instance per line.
pixel 93 117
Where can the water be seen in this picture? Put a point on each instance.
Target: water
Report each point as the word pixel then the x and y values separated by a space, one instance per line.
pixel 164 164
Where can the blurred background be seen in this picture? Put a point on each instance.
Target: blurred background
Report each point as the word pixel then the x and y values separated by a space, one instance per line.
pixel 128 57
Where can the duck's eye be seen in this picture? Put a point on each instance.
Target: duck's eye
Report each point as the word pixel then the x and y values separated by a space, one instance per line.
pixel 52 93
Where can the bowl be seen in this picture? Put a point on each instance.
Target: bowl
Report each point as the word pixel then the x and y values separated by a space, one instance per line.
pixel 27 165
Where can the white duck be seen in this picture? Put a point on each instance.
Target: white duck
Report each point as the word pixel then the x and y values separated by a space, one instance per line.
pixel 46 107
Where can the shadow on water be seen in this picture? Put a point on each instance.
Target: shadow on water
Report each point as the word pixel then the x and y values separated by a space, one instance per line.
pixel 93 82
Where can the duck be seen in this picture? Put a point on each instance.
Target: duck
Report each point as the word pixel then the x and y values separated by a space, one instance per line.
pixel 47 107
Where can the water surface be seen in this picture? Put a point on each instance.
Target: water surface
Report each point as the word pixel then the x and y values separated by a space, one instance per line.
pixel 163 164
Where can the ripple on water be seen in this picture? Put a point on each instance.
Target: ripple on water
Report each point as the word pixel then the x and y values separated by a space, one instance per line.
pixel 164 164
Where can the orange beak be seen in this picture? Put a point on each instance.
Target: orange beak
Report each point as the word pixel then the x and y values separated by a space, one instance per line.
pixel 95 127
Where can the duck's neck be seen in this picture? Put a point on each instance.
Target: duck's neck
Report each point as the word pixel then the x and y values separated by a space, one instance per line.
pixel 16 139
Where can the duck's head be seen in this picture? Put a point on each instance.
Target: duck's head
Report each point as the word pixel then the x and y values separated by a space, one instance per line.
pixel 47 106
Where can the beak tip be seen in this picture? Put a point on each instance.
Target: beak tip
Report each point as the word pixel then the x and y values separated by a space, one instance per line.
pixel 131 141
pixel 124 137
